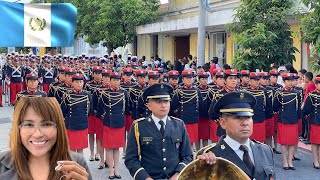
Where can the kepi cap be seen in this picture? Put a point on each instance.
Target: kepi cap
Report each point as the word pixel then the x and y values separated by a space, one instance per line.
pixel 236 103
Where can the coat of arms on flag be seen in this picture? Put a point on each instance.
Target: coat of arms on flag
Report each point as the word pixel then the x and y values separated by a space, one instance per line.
pixel 37 24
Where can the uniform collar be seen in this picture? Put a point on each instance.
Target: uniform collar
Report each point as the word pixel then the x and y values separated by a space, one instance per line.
pixel 229 90
pixel 287 89
pixel 114 89
pixel 244 85
pixel 156 120
pixel 236 145
pixel 187 87
pixel 203 86
pixel 142 86
pixel 254 88
pixel 32 92
pixel 77 92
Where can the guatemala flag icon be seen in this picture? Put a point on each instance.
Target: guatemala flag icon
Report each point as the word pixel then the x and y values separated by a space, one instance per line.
pixel 42 25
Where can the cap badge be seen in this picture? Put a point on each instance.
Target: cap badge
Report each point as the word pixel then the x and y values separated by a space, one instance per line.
pixel 161 86
pixel 241 95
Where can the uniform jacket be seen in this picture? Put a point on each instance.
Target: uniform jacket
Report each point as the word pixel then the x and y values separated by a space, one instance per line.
pixel 15 74
pixel 161 156
pixel 95 98
pixel 262 154
pixel 312 107
pixel 61 89
pixel 127 87
pixel 207 96
pixel 263 108
pixel 288 104
pixel 76 108
pixel 53 87
pixel 111 106
pixel 7 171
pixel 91 86
pixel 187 103
pixel 48 75
pixel 134 95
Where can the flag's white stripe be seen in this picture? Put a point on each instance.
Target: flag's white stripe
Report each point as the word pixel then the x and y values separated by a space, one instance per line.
pixel 37 38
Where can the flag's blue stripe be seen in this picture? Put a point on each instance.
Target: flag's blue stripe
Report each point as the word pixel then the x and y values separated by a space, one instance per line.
pixel 63 23
pixel 11 24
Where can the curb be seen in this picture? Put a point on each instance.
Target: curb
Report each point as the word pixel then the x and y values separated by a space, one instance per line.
pixel 304 147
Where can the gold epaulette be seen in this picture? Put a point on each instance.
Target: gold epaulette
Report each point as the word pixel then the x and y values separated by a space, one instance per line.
pixel 204 150
pixel 137 133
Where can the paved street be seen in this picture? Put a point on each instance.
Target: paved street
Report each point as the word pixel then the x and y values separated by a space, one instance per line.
pixel 304 171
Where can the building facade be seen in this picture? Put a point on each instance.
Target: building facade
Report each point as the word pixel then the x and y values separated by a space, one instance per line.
pixel 174 34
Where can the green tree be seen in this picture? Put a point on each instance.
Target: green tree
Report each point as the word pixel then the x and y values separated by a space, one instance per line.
pixel 310 26
pixel 111 21
pixel 3 50
pixel 263 34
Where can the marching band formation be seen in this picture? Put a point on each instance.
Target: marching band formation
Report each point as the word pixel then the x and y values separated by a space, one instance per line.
pixel 104 101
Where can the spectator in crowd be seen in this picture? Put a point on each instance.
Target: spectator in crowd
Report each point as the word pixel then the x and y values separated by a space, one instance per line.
pixel 178 66
pixel 213 64
pixel 301 82
pixel 310 86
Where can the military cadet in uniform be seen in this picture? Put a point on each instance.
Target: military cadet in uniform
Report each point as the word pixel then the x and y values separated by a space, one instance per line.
pixel 301 94
pixel 173 76
pixel 214 89
pixel 153 78
pixel 161 74
pixel 66 86
pixel 76 106
pixel 312 108
pixel 15 74
pixel 126 84
pixel 111 106
pixel 61 79
pixel 244 79
pixel 264 83
pixel 49 74
pixel 99 121
pixel 32 88
pixel 135 93
pixel 231 77
pixel 254 158
pixel 203 126
pixel 186 103
pixel 90 87
pixel 276 87
pixel 262 109
pixel 288 103
pixel 158 145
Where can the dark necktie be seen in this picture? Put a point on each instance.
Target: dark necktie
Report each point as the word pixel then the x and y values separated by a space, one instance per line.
pixel 246 158
pixel 162 127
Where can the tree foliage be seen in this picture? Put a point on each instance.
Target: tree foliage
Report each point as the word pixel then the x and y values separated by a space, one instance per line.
pixel 111 21
pixel 263 34
pixel 310 26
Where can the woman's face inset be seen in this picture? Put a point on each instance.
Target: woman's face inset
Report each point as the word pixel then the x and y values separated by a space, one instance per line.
pixel 38 135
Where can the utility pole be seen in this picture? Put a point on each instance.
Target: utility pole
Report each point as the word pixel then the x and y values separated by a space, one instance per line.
pixel 203 7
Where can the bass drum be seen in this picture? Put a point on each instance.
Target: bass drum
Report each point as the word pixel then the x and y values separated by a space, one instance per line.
pixel 221 170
